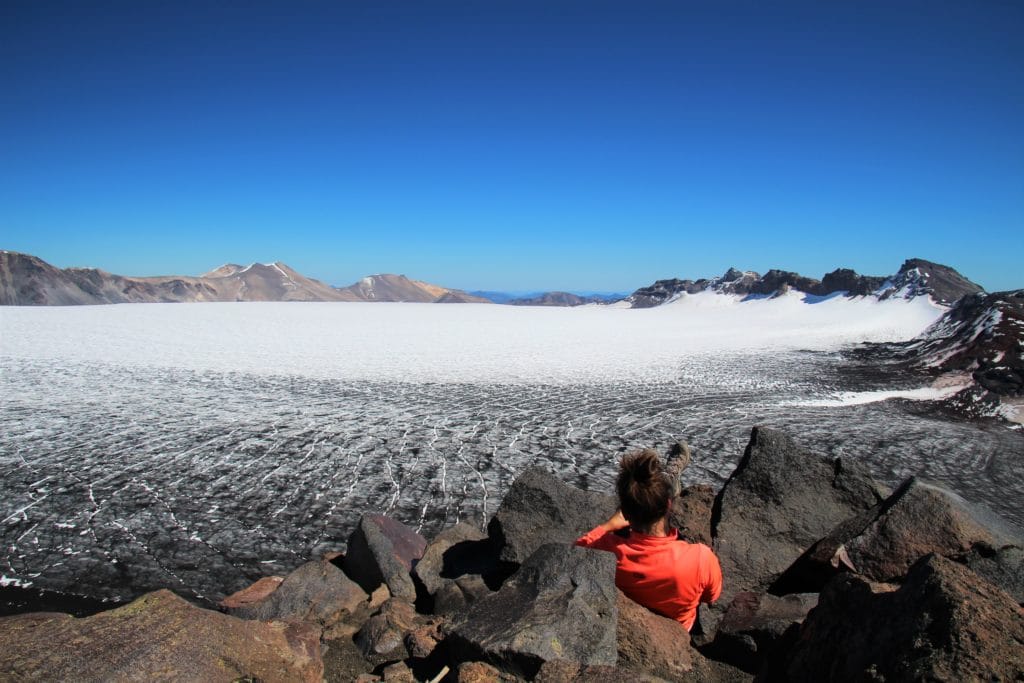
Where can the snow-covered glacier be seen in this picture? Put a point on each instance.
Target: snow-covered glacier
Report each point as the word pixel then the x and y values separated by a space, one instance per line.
pixel 198 446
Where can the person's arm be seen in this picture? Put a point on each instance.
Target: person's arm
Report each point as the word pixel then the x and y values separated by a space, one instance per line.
pixel 598 536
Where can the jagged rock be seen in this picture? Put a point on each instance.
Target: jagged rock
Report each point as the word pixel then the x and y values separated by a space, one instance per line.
pixel 884 541
pixel 539 509
pixel 847 280
pixel 383 550
pixel 456 595
pixel 941 624
pixel 481 672
pixel 561 604
pixel 383 634
pixel 420 642
pixel 257 592
pixel 456 551
pixel 154 636
pixel 1003 567
pixel 691 513
pixel 651 643
pixel 779 500
pixel 754 624
pixel 317 592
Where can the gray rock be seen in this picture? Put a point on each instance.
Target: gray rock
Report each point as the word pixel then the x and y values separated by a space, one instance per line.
pixel 1003 567
pixel 383 550
pixel 778 502
pixel 381 638
pixel 561 604
pixel 317 592
pixel 539 509
pixel 456 595
pixel 884 541
pixel 754 624
pixel 941 624
pixel 456 551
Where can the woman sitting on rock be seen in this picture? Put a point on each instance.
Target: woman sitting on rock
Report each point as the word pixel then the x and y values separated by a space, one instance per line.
pixel 654 568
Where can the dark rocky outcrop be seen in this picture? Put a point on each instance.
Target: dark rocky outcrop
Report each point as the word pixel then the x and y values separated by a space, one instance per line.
pixel 561 604
pixel 383 550
pixel 884 541
pixel 539 508
pixel 691 513
pixel 848 281
pixel 316 593
pixel 943 623
pixel 780 500
pixel 157 637
pixel 754 624
pixel 457 551
pixel 1003 567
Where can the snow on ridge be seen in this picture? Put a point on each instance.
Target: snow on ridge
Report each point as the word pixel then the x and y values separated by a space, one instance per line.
pixel 411 342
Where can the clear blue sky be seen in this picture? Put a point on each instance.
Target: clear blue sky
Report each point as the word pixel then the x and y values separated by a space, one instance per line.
pixel 585 145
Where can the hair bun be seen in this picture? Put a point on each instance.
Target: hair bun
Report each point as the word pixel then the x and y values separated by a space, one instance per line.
pixel 643 465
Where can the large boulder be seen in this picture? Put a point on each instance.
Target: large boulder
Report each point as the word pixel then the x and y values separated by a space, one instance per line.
pixel 780 500
pixel 753 626
pixel 883 542
pixel 455 552
pixel 561 604
pixel 651 643
pixel 317 593
pixel 539 508
pixel 383 550
pixel 159 636
pixel 943 623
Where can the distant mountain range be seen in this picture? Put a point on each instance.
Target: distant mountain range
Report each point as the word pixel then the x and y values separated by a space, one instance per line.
pixel 29 281
pixel 916 277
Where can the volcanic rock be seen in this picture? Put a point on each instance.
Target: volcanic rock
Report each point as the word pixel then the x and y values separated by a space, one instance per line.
pixel 154 637
pixel 779 500
pixel 691 513
pixel 481 672
pixel 1003 567
pixel 754 624
pixel 456 551
pixel 383 634
pixel 652 643
pixel 255 593
pixel 884 541
pixel 561 604
pixel 383 550
pixel 317 593
pixel 539 509
pixel 943 623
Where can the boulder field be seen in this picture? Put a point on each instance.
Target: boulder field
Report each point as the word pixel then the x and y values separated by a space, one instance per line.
pixel 828 576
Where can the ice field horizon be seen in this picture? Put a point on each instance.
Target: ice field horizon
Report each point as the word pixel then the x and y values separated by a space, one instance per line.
pixel 200 446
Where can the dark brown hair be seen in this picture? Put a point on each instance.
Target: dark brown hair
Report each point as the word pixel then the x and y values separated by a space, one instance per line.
pixel 644 489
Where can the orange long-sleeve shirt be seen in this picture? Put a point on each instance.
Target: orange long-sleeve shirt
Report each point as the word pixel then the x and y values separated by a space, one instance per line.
pixel 662 573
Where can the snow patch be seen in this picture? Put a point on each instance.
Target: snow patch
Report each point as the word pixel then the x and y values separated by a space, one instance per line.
pixel 855 398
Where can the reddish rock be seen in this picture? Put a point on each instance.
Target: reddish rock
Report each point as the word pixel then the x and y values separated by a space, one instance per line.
pixel 652 643
pixel 255 593
pixel 157 637
pixel 481 672
pixel 398 673
pixel 317 592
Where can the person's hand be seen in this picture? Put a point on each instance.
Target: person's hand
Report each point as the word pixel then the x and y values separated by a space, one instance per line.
pixel 616 522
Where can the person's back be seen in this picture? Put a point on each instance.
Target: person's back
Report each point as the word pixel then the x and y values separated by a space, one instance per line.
pixel 653 567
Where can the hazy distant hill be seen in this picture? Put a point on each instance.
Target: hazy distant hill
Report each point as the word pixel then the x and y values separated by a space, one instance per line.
pixel 387 287
pixel 916 277
pixel 26 280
